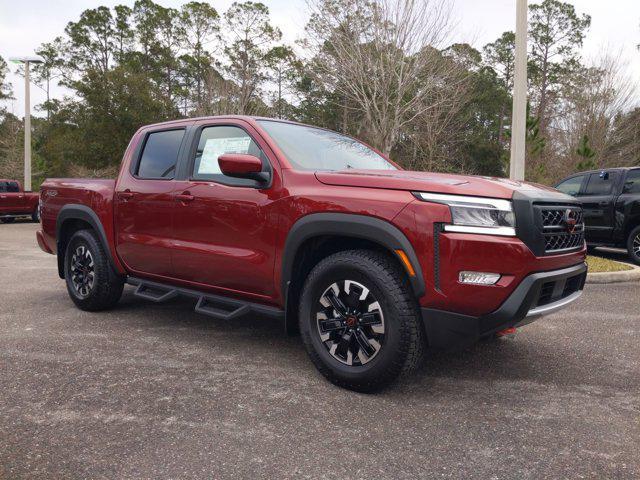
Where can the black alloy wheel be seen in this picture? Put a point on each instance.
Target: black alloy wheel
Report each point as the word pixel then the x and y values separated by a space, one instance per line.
pixel 359 320
pixel 82 271
pixel 633 245
pixel 91 282
pixel 350 322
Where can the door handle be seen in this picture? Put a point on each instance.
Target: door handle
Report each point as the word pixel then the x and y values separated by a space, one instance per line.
pixel 126 195
pixel 603 204
pixel 185 197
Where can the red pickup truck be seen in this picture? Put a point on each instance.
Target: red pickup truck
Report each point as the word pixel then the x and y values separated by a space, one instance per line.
pixel 15 202
pixel 369 262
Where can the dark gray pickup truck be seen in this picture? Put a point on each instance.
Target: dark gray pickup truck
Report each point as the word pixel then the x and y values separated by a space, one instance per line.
pixel 611 203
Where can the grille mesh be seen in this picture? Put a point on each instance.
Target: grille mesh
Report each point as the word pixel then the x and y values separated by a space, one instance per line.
pixel 565 241
pixel 554 217
pixel 557 235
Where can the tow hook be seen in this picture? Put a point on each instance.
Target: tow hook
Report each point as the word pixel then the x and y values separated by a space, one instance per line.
pixel 507 332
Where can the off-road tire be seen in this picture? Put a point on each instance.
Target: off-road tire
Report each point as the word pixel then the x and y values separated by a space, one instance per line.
pixel 107 286
pixel 633 242
pixel 404 338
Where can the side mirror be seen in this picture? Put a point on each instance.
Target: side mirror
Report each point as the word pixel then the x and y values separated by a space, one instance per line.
pixel 240 165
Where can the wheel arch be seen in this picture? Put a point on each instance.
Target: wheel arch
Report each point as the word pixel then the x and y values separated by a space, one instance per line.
pixel 319 235
pixel 74 217
pixel 631 223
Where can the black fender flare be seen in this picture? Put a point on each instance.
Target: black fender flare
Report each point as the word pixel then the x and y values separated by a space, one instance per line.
pixel 74 211
pixel 350 225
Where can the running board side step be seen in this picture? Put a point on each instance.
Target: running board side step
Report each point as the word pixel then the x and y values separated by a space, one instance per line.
pixel 216 306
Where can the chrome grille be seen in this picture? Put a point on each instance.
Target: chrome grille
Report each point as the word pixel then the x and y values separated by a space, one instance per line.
pixel 562 228
pixel 554 217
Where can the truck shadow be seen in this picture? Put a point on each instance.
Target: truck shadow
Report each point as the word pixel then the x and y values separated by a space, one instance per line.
pixel 525 358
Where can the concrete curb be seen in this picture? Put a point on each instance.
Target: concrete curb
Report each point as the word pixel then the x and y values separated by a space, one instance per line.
pixel 615 277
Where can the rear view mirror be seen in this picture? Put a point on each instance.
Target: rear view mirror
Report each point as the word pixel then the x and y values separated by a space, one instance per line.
pixel 241 165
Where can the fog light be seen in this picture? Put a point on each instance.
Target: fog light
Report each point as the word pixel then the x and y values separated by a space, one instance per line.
pixel 479 278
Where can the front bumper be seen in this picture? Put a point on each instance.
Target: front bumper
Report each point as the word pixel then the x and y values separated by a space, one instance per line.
pixel 538 294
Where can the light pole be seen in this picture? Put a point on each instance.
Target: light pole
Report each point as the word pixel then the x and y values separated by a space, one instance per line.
pixel 519 113
pixel 27 61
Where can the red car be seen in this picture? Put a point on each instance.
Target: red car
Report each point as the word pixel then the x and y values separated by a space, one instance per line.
pixel 369 262
pixel 15 202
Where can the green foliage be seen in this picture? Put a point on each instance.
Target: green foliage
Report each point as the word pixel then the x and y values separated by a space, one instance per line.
pixel 500 56
pixel 5 88
pixel 129 66
pixel 585 152
pixel 535 142
pixel 248 50
pixel 556 33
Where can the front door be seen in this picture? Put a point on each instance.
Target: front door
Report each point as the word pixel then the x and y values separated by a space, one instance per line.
pixel 225 228
pixel 11 198
pixel 598 202
pixel 144 204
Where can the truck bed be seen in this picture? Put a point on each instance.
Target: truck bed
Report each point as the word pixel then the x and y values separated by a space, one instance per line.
pixel 96 194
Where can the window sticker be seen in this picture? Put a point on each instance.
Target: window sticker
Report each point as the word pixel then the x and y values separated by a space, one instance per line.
pixel 214 147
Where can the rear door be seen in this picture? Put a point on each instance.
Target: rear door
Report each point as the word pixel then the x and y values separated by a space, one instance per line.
pixel 225 228
pixel 144 203
pixel 598 200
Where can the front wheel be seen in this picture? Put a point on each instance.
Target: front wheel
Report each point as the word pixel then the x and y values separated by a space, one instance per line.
pixel 633 245
pixel 359 320
pixel 90 283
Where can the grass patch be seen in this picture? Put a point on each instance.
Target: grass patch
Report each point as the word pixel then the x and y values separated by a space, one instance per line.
pixel 597 264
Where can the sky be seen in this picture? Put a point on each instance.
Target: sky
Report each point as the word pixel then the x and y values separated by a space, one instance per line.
pixel 26 24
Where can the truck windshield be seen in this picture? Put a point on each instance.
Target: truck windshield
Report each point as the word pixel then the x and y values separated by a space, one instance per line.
pixel 309 148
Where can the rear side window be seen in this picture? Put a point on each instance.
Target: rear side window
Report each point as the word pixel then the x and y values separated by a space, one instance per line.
pixel 632 183
pixel 601 183
pixel 9 187
pixel 571 186
pixel 160 154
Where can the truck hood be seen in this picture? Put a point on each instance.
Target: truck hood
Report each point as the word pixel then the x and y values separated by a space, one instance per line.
pixel 438 183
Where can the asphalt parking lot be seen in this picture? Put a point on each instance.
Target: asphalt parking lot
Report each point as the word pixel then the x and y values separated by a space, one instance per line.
pixel 157 391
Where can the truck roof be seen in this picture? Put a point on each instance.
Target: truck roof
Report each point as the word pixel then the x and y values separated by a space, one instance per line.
pixel 597 170
pixel 216 117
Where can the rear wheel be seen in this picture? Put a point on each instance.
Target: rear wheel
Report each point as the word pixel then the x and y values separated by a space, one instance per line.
pixel 359 320
pixel 7 220
pixel 633 245
pixel 35 216
pixel 90 283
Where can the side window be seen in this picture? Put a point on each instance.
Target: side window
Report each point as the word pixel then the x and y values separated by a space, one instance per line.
pixel 160 154
pixel 12 187
pixel 600 183
pixel 3 187
pixel 632 183
pixel 571 186
pixel 217 140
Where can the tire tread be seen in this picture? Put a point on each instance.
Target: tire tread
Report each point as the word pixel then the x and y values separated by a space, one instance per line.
pixel 109 287
pixel 412 343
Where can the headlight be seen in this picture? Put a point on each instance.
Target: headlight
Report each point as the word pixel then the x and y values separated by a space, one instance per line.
pixel 492 216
